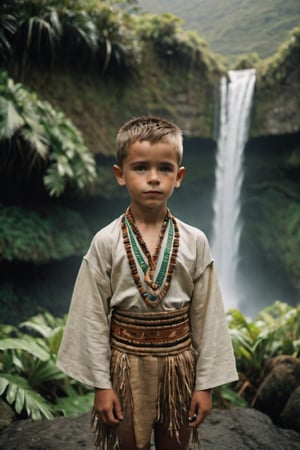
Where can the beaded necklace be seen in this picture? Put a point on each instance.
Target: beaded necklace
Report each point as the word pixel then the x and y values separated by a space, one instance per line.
pixel 156 290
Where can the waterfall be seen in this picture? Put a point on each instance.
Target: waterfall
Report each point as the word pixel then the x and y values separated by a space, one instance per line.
pixel 236 94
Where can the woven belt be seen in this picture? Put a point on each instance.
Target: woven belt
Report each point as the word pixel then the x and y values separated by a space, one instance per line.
pixel 160 333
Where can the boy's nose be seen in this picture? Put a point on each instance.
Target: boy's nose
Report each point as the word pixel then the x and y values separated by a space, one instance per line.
pixel 153 176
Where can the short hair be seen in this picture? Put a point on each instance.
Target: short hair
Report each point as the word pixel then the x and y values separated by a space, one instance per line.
pixel 148 128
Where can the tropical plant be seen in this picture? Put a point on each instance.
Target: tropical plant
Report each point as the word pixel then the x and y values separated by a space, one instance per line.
pixel 82 33
pixel 276 331
pixel 30 380
pixel 25 366
pixel 35 137
pixel 8 26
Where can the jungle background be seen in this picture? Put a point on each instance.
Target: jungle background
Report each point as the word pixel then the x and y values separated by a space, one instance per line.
pixel 72 72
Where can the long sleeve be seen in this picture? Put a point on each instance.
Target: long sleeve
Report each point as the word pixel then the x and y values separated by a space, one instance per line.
pixel 84 353
pixel 211 338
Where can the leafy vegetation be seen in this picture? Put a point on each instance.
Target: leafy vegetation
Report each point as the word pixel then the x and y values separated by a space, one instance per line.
pixel 34 136
pixel 276 69
pixel 276 331
pixel 174 44
pixel 52 233
pixel 35 388
pixel 30 380
pixel 92 33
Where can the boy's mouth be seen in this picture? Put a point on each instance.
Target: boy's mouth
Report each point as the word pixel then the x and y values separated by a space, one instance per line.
pixel 153 192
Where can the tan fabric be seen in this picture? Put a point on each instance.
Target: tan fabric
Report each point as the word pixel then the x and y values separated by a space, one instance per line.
pixel 104 282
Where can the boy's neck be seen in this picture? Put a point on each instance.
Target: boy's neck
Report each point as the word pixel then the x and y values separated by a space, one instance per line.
pixel 148 216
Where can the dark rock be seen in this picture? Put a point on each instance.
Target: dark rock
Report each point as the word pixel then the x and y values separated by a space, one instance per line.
pixel 61 433
pixel 236 429
pixel 290 416
pixel 281 378
pixel 7 414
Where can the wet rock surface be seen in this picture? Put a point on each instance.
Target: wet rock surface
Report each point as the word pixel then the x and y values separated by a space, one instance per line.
pixel 236 429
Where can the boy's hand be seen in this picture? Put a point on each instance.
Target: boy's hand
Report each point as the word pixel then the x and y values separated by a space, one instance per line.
pixel 200 407
pixel 107 406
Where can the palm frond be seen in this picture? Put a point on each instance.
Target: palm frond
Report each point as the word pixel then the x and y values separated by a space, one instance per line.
pixel 8 27
pixel 17 391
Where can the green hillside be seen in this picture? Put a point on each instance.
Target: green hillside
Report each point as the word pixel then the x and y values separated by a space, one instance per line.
pixel 234 27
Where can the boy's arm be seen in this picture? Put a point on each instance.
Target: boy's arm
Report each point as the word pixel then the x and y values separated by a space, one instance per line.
pixel 200 407
pixel 107 406
pixel 210 334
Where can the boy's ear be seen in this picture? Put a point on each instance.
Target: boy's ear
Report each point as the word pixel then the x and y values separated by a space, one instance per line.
pixel 119 175
pixel 180 175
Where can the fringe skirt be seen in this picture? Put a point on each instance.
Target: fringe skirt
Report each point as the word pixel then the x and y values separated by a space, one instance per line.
pixel 153 373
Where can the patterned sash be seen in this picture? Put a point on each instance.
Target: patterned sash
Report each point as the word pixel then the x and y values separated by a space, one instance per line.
pixel 159 333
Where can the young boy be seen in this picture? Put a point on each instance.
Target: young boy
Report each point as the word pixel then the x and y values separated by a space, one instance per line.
pixel 146 326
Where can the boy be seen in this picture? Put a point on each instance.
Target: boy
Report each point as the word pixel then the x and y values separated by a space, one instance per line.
pixel 146 326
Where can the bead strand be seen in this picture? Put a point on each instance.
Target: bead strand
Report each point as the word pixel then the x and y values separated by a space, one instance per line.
pixel 130 232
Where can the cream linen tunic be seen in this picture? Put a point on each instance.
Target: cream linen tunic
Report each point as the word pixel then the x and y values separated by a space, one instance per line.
pixel 104 282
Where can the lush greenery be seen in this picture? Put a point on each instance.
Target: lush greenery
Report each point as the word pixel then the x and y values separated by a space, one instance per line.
pixel 93 33
pixel 276 69
pixel 186 48
pixel 30 380
pixel 35 388
pixel 34 136
pixel 276 331
pixel 43 235
pixel 231 27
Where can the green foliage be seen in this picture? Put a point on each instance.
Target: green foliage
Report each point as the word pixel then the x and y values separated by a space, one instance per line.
pixel 73 33
pixel 276 69
pixel 19 394
pixel 52 233
pixel 247 61
pixel 276 331
pixel 74 404
pixel 174 44
pixel 7 30
pixel 34 135
pixel 30 380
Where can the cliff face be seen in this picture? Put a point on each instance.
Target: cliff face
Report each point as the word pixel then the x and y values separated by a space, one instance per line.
pixel 276 109
pixel 98 106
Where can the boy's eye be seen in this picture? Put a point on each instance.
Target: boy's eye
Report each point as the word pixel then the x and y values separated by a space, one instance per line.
pixel 140 168
pixel 166 168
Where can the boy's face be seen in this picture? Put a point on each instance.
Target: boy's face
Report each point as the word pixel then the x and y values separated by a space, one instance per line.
pixel 150 172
